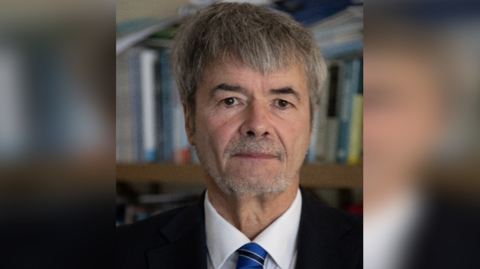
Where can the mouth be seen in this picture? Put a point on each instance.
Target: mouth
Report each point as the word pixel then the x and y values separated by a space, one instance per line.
pixel 255 155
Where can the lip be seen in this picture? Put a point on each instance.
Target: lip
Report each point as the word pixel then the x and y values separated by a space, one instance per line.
pixel 255 155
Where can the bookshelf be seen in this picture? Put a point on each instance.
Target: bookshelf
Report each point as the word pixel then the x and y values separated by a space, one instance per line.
pixel 311 175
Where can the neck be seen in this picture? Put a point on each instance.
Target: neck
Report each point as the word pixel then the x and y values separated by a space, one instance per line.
pixel 251 214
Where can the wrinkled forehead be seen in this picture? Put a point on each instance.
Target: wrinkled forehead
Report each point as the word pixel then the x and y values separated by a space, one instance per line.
pixel 234 69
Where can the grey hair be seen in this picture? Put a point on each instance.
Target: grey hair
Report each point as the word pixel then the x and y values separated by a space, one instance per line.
pixel 256 37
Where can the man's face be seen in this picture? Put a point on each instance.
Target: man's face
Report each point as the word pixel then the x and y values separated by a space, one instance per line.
pixel 252 131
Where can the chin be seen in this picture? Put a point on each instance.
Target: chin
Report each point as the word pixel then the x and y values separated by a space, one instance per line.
pixel 254 174
pixel 251 182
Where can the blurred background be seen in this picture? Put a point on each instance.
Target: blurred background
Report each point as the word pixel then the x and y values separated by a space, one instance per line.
pixel 67 131
pixel 57 129
pixel 421 134
pixel 158 170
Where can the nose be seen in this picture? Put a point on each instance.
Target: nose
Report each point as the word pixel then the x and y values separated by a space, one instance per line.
pixel 256 123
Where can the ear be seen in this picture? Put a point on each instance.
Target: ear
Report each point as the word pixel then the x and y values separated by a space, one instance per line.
pixel 188 125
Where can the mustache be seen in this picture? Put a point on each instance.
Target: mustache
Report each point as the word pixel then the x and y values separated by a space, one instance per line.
pixel 250 144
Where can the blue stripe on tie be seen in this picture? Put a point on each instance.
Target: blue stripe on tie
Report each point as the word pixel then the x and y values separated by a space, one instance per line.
pixel 248 251
pixel 251 256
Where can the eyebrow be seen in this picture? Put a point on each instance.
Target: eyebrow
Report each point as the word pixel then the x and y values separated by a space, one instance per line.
pixel 286 90
pixel 226 87
pixel 231 88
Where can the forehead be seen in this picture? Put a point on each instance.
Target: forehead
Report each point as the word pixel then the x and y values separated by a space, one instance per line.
pixel 233 72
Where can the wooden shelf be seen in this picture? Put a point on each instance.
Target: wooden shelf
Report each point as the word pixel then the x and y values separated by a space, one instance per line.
pixel 311 175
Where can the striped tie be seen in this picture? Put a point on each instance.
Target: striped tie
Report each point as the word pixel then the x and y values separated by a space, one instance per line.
pixel 251 256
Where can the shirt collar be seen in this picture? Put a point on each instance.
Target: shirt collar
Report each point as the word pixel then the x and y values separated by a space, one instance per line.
pixel 222 238
pixel 279 239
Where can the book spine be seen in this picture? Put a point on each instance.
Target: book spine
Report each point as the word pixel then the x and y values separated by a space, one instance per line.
pixel 177 127
pixel 347 92
pixel 123 115
pixel 147 63
pixel 166 107
pixel 120 108
pixel 322 122
pixel 356 134
pixel 136 105
pixel 159 110
pixel 331 134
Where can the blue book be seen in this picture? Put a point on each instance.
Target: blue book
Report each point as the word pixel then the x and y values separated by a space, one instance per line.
pixel 347 90
pixel 166 81
pixel 312 11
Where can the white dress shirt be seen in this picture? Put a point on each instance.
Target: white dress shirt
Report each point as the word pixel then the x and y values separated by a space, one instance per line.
pixel 279 239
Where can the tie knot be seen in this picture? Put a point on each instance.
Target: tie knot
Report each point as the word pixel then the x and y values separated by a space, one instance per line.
pixel 252 255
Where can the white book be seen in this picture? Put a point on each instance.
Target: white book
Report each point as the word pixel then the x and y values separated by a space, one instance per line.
pixel 147 70
pixel 178 125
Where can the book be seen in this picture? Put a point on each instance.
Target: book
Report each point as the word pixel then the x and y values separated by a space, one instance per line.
pixel 331 132
pixel 356 132
pixel 313 11
pixel 340 34
pixel 135 95
pixel 166 84
pixel 321 135
pixel 147 63
pixel 181 147
pixel 123 119
pixel 347 91
pixel 159 110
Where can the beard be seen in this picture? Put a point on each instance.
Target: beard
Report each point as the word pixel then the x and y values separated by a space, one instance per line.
pixel 249 183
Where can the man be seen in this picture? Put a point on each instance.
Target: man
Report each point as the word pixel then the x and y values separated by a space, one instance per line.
pixel 249 79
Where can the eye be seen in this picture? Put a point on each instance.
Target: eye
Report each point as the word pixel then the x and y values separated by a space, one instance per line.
pixel 230 101
pixel 282 103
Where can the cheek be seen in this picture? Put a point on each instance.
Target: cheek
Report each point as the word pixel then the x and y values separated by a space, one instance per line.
pixel 295 137
pixel 216 132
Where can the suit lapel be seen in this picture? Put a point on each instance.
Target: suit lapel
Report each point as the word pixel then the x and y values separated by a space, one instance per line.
pixel 187 246
pixel 318 237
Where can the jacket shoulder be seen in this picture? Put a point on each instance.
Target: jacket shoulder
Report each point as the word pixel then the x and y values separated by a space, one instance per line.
pixel 146 228
pixel 354 221
pixel 336 236
pixel 134 240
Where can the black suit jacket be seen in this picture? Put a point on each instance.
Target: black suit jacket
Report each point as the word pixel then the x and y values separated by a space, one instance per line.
pixel 327 238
